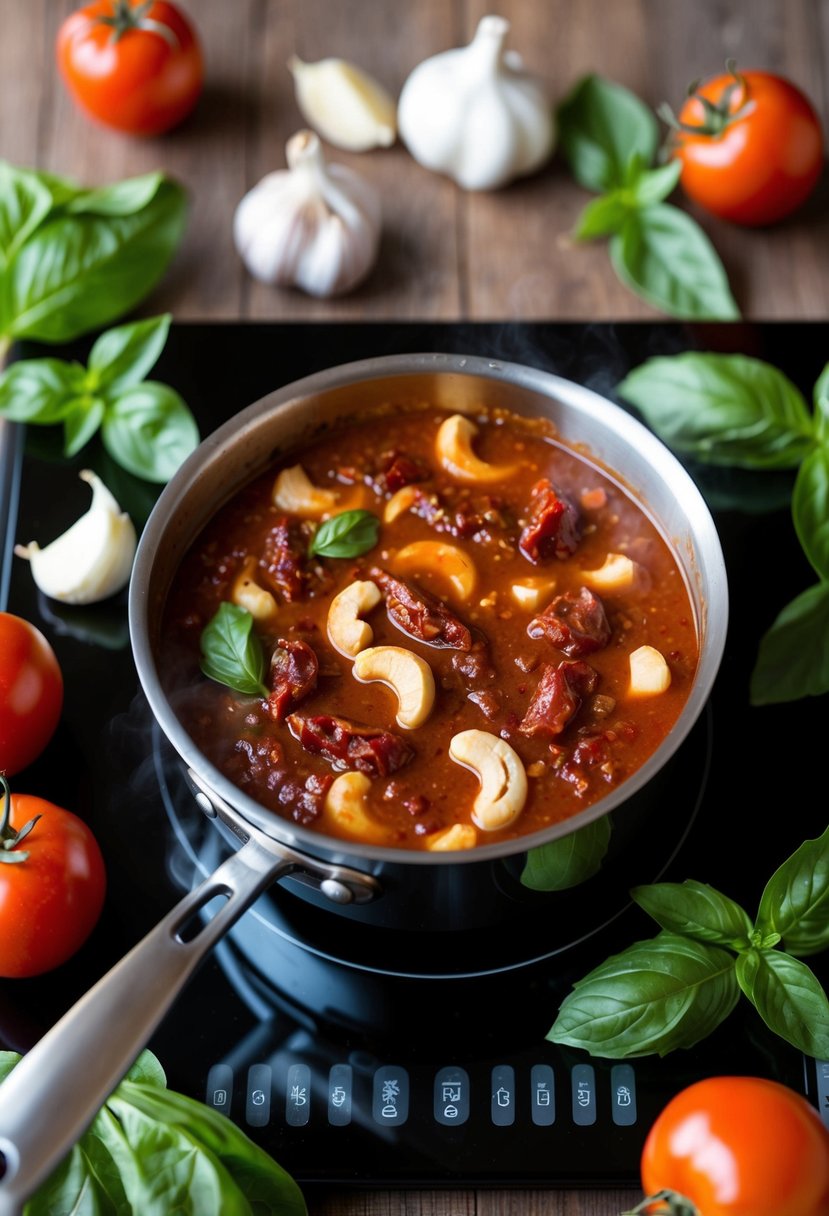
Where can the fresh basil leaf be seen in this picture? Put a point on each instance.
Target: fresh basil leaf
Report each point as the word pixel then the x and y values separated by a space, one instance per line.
pixel 149 430
pixel 61 189
pixel 265 1185
pixel 695 910
pixel 810 508
pixel 8 1061
pixel 82 420
pixel 125 355
pixel 86 1183
pixel 78 272
pixel 147 1070
pixel 793 658
pixel 601 126
pixel 788 997
pixel 348 534
pixel 795 903
pixel 723 409
pixel 655 996
pixel 121 198
pixel 231 651
pixel 664 256
pixel 601 217
pixel 24 204
pixel 40 390
pixel 821 394
pixel 573 859
pixel 652 185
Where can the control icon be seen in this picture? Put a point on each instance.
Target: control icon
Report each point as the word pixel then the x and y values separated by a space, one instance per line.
pixel 623 1096
pixel 299 1095
pixel 502 1104
pixel 258 1097
pixel 338 1096
pixel 451 1097
pixel 542 1091
pixel 389 1095
pixel 390 1104
pixel 219 1097
pixel 502 1096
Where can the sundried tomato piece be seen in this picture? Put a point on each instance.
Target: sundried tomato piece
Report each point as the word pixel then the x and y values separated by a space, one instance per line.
pixel 293 675
pixel 574 622
pixel 283 560
pixel 399 470
pixel 347 745
pixel 557 698
pixel 420 615
pixel 554 529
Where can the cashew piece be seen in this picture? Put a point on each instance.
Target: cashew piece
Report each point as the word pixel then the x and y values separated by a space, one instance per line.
pixel 459 836
pixel 398 503
pixel 618 573
pixel 293 491
pixel 446 562
pixel 345 808
pixel 453 445
pixel 531 593
pixel 649 673
pixel 406 674
pixel 346 632
pixel 503 791
pixel 247 593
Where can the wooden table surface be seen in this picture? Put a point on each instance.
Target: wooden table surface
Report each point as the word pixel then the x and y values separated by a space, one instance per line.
pixel 445 255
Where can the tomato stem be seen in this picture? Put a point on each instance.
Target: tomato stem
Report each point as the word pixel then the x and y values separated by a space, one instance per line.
pixel 664 1203
pixel 127 17
pixel 717 115
pixel 9 838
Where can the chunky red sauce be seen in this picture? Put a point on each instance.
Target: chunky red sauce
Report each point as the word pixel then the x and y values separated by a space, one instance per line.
pixel 544 667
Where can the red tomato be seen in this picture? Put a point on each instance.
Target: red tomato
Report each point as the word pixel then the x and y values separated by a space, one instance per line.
pixel 132 66
pixel 51 900
pixel 31 693
pixel 756 155
pixel 739 1146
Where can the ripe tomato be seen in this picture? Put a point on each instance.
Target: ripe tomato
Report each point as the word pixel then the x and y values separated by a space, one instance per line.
pixel 754 152
pixel 136 66
pixel 31 693
pixel 50 900
pixel 738 1146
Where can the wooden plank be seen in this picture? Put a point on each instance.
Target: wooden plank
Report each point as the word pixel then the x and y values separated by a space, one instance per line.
pixel 392 1203
pixel 25 62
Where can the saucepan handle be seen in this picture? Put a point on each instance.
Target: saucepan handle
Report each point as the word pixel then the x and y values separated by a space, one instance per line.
pixel 53 1094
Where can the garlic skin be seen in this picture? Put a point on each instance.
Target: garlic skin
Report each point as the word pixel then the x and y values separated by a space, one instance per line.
pixel 314 226
pixel 475 114
pixel 92 560
pixel 344 104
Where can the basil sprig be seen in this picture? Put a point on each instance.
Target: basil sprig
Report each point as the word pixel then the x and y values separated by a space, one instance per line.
pixel 674 989
pixel 349 534
pixel 610 139
pixel 737 411
pixel 569 861
pixel 145 426
pixel 232 653
pixel 150 1149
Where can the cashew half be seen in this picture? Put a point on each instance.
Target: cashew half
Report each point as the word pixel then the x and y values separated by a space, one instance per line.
pixel 618 573
pixel 247 593
pixel 531 593
pixel 399 502
pixel 447 563
pixel 503 791
pixel 459 836
pixel 346 631
pixel 345 809
pixel 453 445
pixel 649 673
pixel 293 491
pixel 409 676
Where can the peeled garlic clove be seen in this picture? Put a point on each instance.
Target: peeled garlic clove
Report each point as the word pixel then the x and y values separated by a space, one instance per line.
pixel 344 104
pixel 91 560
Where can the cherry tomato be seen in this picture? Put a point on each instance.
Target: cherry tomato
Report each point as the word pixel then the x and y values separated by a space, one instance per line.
pixel 738 1146
pixel 132 65
pixel 752 150
pixel 31 693
pixel 52 884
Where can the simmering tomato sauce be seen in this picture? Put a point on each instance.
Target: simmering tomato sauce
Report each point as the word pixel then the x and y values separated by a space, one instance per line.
pixel 518 642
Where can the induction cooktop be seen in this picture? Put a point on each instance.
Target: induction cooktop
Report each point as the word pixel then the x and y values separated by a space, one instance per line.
pixel 346 1068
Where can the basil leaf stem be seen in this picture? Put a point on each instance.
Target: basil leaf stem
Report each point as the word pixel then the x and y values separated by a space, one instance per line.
pixel 348 534
pixel 232 653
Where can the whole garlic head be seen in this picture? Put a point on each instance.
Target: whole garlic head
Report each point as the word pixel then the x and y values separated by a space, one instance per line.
pixel 475 114
pixel 91 560
pixel 314 226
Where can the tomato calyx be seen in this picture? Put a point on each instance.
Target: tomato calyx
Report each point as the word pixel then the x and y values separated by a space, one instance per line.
pixel 717 115
pixel 664 1203
pixel 125 18
pixel 9 838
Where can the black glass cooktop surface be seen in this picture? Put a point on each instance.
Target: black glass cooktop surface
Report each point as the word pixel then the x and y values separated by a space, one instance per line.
pixel 349 1074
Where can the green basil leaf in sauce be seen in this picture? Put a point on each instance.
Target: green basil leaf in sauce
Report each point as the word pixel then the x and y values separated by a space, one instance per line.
pixel 654 997
pixel 601 126
pixel 810 508
pixel 696 910
pixel 795 903
pixel 567 862
pixel 232 653
pixel 723 409
pixel 349 534
pixel 788 997
pixel 793 659
pixel 664 256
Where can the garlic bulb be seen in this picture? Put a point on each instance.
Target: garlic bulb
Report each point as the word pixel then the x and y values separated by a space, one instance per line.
pixel 90 561
pixel 475 114
pixel 344 104
pixel 313 226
